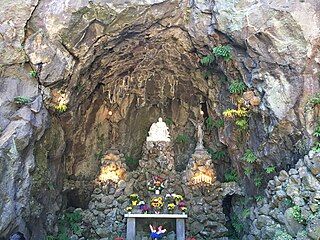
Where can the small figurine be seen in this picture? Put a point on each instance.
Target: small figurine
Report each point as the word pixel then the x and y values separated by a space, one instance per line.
pixel 157 234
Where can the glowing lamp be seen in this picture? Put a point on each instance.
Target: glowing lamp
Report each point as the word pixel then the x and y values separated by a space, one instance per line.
pixel 202 178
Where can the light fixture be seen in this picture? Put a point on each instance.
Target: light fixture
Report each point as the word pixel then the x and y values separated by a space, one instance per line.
pixel 201 178
pixel 110 113
pixel 112 169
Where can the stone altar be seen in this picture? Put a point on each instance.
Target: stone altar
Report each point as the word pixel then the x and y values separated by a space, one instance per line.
pixel 180 223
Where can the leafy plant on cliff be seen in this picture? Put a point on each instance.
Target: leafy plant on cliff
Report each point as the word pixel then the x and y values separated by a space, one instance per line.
pixel 231 176
pixel 209 123
pixel 280 235
pixel 257 181
pixel 248 171
pixel 22 100
pixel 296 214
pixel 182 138
pixel 131 162
pixel 219 51
pixel 61 108
pixel 316 132
pixel 235 113
pixel 68 224
pixel 220 123
pixel 169 121
pixel 216 154
pixel 33 73
pixel 222 51
pixel 270 169
pixel 249 156
pixel 242 123
pixel 237 87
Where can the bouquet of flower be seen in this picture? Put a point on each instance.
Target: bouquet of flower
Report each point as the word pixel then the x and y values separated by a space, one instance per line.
pixel 183 209
pixel 169 198
pixel 145 209
pixel 134 199
pixel 157 204
pixel 171 207
pixel 156 184
pixel 177 198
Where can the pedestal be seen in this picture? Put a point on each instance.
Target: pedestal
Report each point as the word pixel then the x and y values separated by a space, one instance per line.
pixel 131 229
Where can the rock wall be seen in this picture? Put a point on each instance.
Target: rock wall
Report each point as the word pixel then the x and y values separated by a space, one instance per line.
pixel 22 124
pixel 292 209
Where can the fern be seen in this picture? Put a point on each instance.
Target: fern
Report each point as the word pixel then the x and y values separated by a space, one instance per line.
pixel 249 156
pixel 231 176
pixel 248 171
pixel 242 124
pixel 237 87
pixel 22 100
pixel 181 138
pixel 222 51
pixel 207 60
pixel 270 169
pixel 209 123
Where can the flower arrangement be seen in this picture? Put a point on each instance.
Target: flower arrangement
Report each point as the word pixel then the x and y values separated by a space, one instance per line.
pixel 183 209
pixel 145 209
pixel 134 199
pixel 182 206
pixel 177 198
pixel 119 238
pixel 171 207
pixel 157 204
pixel 156 184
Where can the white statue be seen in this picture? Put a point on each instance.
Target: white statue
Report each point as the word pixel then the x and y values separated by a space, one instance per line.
pixel 158 132
pixel 198 125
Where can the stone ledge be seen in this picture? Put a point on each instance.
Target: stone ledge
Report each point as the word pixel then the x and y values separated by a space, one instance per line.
pixel 156 215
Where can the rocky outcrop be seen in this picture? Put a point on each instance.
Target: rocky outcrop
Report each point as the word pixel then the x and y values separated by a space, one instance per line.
pixel 23 121
pixel 292 208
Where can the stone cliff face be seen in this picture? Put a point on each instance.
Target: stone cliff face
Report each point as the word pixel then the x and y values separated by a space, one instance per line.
pixel 119 65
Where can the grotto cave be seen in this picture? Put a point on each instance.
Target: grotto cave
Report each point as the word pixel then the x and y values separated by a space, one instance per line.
pixel 198 115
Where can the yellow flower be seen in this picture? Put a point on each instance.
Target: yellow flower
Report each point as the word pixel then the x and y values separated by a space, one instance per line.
pixel 183 209
pixel 129 208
